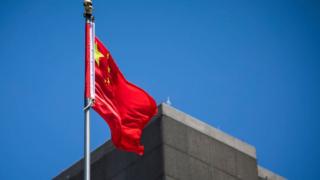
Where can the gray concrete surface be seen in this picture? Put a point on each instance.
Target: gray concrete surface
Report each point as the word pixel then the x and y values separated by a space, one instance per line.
pixel 265 174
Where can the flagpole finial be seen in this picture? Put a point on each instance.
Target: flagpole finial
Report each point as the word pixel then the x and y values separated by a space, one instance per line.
pixel 88 9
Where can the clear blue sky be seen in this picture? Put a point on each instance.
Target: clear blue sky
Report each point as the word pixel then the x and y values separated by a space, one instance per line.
pixel 250 68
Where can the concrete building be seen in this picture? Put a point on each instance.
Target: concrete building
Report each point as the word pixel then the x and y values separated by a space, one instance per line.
pixel 177 147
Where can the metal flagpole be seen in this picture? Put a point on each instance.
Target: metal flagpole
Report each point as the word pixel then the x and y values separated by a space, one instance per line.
pixel 87 143
pixel 88 100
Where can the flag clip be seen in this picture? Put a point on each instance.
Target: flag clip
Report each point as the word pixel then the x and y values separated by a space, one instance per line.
pixel 89 105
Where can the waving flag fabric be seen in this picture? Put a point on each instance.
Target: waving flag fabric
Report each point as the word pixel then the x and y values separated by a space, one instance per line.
pixel 125 107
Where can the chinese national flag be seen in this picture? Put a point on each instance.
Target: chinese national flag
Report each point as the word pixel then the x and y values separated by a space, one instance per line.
pixel 125 107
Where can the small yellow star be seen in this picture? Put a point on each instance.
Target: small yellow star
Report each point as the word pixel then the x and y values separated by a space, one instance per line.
pixel 107 81
pixel 109 69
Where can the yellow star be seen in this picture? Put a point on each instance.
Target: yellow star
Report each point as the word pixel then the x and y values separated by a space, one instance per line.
pixel 97 54
pixel 109 69
pixel 107 81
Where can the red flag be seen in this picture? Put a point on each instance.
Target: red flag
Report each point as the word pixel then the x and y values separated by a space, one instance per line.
pixel 125 107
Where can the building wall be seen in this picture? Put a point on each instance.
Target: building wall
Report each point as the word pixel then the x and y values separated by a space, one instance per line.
pixel 192 155
pixel 177 147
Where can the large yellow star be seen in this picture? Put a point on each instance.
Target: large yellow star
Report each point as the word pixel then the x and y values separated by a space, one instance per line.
pixel 97 54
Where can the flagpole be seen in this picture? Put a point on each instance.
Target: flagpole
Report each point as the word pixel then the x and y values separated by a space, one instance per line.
pixel 87 143
pixel 87 100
